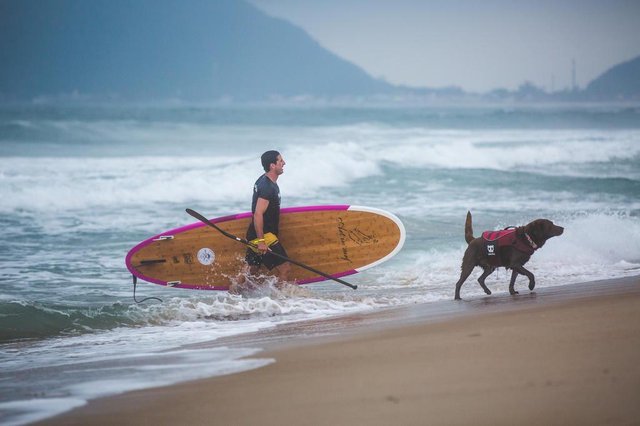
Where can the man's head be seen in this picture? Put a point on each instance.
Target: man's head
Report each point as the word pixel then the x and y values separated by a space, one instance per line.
pixel 269 158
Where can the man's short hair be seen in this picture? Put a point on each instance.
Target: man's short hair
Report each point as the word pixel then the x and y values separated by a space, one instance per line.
pixel 269 158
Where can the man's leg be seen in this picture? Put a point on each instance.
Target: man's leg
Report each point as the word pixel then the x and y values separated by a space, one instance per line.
pixel 253 261
pixel 283 272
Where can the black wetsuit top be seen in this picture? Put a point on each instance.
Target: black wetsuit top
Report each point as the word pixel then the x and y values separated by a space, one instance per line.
pixel 269 190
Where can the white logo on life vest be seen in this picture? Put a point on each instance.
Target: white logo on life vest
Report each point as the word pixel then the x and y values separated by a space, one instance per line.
pixel 206 256
pixel 491 249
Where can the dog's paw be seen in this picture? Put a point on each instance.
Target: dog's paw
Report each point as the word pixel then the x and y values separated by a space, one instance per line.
pixel 513 292
pixel 532 285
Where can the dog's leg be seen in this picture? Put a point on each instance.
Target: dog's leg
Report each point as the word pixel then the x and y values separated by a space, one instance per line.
pixel 514 274
pixel 464 274
pixel 532 280
pixel 487 271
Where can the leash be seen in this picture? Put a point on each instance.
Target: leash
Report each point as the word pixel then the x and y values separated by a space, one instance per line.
pixel 135 282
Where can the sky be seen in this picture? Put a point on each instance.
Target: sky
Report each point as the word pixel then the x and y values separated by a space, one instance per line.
pixel 478 45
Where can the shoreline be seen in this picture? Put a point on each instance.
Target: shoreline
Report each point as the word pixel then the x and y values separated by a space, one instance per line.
pixel 291 335
pixel 557 355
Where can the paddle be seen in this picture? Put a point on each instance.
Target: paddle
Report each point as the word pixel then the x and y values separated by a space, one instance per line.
pixel 247 243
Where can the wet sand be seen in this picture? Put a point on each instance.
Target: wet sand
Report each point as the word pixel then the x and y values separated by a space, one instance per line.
pixel 564 355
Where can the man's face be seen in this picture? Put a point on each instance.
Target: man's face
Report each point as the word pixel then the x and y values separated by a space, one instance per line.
pixel 279 165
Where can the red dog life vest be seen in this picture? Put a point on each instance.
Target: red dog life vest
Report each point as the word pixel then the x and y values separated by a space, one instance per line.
pixel 495 240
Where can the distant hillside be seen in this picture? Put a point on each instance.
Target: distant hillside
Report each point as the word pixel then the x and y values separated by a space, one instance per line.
pixel 622 82
pixel 191 49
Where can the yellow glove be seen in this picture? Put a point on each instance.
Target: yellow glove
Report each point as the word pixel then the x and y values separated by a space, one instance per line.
pixel 269 239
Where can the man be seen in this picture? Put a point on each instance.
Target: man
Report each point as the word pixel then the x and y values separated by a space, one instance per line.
pixel 264 227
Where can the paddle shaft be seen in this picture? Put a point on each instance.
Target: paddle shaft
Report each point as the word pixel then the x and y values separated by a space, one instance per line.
pixel 247 243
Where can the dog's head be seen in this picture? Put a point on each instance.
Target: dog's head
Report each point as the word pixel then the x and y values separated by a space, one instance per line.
pixel 540 230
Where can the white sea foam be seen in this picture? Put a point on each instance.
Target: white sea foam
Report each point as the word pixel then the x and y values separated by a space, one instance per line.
pixel 506 150
pixel 171 367
pixel 67 184
pixel 85 376
pixel 21 412
pixel 597 239
pixel 75 183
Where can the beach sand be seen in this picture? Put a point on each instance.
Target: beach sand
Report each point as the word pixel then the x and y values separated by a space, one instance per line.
pixel 563 355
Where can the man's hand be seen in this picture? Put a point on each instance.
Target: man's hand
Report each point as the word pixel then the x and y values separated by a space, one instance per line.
pixel 258 222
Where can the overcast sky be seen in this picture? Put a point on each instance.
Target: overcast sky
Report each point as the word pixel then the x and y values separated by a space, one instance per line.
pixel 478 45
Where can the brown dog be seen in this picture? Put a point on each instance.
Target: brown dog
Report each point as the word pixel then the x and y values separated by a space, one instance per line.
pixel 511 248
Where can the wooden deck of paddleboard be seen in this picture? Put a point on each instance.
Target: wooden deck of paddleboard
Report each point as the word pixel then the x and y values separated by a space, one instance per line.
pixel 337 242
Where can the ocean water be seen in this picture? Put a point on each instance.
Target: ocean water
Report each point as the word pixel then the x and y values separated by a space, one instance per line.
pixel 81 185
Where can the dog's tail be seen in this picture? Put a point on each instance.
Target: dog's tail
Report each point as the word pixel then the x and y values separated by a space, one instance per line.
pixel 468 229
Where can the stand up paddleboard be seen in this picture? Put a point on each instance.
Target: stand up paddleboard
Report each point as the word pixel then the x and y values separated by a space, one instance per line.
pixel 337 240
